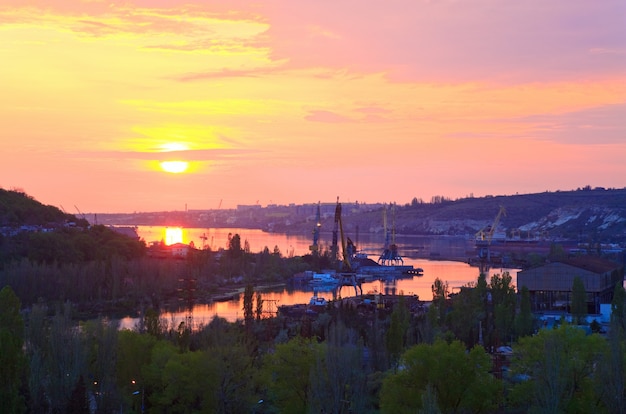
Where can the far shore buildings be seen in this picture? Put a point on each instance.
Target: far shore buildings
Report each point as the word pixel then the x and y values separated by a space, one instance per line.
pixel 550 285
pixel 163 251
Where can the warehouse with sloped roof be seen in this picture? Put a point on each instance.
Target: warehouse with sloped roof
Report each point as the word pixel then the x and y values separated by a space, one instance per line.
pixel 550 285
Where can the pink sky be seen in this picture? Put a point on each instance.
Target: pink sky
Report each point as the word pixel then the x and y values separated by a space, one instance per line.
pixel 299 101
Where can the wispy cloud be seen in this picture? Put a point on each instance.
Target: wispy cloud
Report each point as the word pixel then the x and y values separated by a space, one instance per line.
pixel 267 89
pixel 187 155
pixel 326 116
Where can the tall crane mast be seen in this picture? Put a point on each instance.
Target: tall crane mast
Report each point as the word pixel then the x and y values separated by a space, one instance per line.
pixel 316 231
pixel 390 254
pixel 345 259
pixel 348 276
pixel 486 234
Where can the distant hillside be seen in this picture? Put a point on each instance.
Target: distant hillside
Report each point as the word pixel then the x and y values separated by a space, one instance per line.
pixel 19 209
pixel 585 215
pixel 41 233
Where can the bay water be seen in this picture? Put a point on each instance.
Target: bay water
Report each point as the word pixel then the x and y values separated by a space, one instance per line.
pixel 443 257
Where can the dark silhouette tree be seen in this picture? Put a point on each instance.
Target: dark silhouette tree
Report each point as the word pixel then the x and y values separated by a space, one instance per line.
pixel 78 400
pixel 579 301
pixel 611 379
pixel 12 361
pixel 440 296
pixel 396 334
pixel 618 308
pixel 524 319
pixel 234 246
pixel 248 308
pixel 259 306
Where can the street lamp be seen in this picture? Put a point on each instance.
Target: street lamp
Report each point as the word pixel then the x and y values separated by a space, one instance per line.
pixel 137 393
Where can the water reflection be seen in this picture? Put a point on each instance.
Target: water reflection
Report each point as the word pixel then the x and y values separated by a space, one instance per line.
pixel 416 250
pixel 409 246
pixel 457 274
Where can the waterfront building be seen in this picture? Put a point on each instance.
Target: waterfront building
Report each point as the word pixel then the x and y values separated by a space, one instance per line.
pixel 550 285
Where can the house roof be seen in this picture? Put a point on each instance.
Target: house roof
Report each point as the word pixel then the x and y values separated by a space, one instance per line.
pixel 178 246
pixel 592 264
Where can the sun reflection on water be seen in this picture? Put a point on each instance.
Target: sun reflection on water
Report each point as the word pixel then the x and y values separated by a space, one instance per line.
pixel 173 235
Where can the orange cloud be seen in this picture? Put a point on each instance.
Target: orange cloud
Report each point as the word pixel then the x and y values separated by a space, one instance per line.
pixel 286 94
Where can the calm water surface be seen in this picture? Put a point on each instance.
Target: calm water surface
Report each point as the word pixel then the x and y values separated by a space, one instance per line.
pixel 416 250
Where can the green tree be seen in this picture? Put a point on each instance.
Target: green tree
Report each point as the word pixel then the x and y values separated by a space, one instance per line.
pixel 469 310
pixel 36 351
pixel 187 381
pixel 287 374
pixel 134 355
pixel 234 390
pixel 460 380
pixel 611 379
pixel 259 306
pixel 100 336
pixel 248 308
pixel 396 334
pixel 579 301
pixel 504 303
pixel 152 323
pixel 65 359
pixel 429 402
pixel 560 364
pixel 12 360
pixel 152 384
pixel 618 308
pixel 338 378
pixel 524 319
pixel 440 295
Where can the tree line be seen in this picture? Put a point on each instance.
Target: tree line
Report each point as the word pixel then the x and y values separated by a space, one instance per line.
pixel 342 361
pixel 57 357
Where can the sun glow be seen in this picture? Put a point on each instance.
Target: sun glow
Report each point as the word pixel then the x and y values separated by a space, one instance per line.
pixel 173 235
pixel 174 146
pixel 174 167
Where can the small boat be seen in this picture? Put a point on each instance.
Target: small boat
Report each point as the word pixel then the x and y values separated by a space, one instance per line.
pixel 324 279
pixel 313 308
pixel 316 305
pixel 293 311
pixel 418 271
pixel 318 301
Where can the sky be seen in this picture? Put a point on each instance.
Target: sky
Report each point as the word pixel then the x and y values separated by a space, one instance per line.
pixel 103 104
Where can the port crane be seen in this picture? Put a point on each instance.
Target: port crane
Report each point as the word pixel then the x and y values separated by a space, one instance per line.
pixel 390 255
pixel 348 275
pixel 485 235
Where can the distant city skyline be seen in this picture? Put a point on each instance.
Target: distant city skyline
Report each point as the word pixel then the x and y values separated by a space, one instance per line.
pixel 150 105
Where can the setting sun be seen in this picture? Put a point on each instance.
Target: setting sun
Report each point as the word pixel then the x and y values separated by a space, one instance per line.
pixel 175 167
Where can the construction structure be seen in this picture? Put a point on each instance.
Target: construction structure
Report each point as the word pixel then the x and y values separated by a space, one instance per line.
pixel 347 275
pixel 390 255
pixel 485 236
pixel 314 248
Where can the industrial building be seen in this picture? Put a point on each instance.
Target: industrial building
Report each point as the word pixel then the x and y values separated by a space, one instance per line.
pixel 550 285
